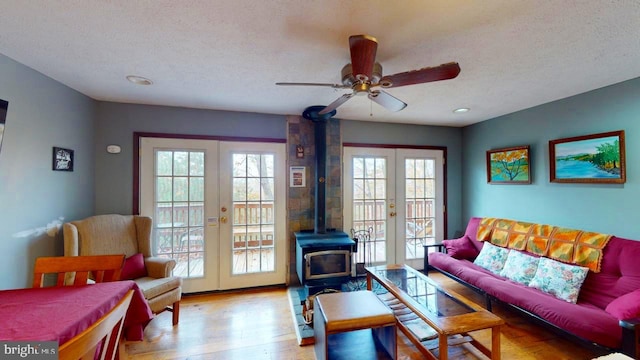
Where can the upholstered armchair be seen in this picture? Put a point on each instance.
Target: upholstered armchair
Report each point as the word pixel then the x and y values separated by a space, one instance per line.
pixel 129 235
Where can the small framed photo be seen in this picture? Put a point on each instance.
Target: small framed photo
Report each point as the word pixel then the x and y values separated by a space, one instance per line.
pixel 62 159
pixel 596 158
pixel 297 176
pixel 509 166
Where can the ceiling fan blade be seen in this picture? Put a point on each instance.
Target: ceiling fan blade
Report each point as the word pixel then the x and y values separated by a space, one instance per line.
pixel 363 55
pixel 335 86
pixel 424 75
pixel 334 105
pixel 386 100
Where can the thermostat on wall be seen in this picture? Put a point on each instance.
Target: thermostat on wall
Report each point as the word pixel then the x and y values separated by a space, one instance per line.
pixel 113 149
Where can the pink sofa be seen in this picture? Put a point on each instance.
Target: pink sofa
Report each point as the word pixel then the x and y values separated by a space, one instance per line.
pixel 608 305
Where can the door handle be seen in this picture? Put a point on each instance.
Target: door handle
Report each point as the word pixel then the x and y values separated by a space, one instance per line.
pixel 392 214
pixel 223 219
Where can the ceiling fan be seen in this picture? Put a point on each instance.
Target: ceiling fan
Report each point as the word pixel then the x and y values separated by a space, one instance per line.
pixel 364 73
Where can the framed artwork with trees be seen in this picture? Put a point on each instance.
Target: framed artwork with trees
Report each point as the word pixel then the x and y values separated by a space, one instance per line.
pixel 597 158
pixel 509 165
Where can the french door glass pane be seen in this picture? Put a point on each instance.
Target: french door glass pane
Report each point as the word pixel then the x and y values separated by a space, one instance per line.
pixel 253 215
pixel 179 210
pixel 420 203
pixel 369 206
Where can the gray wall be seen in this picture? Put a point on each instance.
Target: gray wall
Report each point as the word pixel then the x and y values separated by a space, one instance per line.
pixel 42 114
pixel 117 122
pixel 608 208
pixel 403 134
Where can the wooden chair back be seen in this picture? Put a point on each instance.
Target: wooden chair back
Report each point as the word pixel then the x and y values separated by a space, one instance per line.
pixel 103 268
pixel 101 339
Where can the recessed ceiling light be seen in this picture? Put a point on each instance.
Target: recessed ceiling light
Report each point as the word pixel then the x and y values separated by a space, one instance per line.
pixel 461 110
pixel 139 80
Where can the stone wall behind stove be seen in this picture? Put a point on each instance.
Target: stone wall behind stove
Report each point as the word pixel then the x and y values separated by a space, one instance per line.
pixel 301 201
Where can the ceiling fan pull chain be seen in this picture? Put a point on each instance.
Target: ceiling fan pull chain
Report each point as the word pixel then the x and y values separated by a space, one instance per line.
pixel 370 108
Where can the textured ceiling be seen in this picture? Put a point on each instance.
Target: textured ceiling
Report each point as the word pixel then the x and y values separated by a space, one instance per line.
pixel 228 54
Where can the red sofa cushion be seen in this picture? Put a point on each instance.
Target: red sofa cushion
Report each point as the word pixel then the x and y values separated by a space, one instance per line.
pixel 133 268
pixel 461 248
pixel 626 306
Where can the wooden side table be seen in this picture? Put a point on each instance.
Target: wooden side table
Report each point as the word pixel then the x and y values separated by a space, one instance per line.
pixel 336 313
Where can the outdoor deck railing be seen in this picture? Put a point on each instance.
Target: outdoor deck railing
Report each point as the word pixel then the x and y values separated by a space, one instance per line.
pixel 180 227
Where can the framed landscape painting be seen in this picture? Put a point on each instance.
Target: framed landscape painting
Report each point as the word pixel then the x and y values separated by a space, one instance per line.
pixel 597 158
pixel 509 166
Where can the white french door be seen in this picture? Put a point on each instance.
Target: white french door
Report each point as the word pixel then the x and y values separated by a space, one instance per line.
pixel 399 194
pixel 218 210
pixel 253 194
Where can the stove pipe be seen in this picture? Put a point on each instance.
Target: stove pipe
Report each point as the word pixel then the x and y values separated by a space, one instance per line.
pixel 320 130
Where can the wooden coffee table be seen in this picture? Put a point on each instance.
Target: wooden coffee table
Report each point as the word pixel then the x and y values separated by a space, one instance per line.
pixel 452 316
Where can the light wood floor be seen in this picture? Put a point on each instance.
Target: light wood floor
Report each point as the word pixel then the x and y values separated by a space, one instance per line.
pixel 258 325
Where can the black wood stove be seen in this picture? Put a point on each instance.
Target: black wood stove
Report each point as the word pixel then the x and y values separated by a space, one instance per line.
pixel 323 256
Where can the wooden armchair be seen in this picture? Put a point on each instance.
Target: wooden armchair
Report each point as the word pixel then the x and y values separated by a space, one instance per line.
pixel 129 235
pixel 103 267
pixel 102 339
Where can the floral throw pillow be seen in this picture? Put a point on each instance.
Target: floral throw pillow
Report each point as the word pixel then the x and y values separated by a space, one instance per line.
pixel 558 279
pixel 520 267
pixel 492 257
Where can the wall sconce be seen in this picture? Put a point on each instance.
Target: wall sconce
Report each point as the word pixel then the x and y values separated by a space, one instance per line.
pixel 299 151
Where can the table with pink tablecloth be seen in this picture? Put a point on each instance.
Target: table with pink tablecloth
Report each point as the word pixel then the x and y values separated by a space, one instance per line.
pixel 60 313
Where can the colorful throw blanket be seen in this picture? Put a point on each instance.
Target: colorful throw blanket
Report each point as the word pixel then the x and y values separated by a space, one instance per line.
pixel 572 246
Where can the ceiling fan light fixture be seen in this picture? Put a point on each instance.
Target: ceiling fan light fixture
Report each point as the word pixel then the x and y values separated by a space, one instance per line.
pixel 347 76
pixel 348 79
pixel 139 80
pixel 363 74
pixel 461 110
pixel 386 83
pixel 377 73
